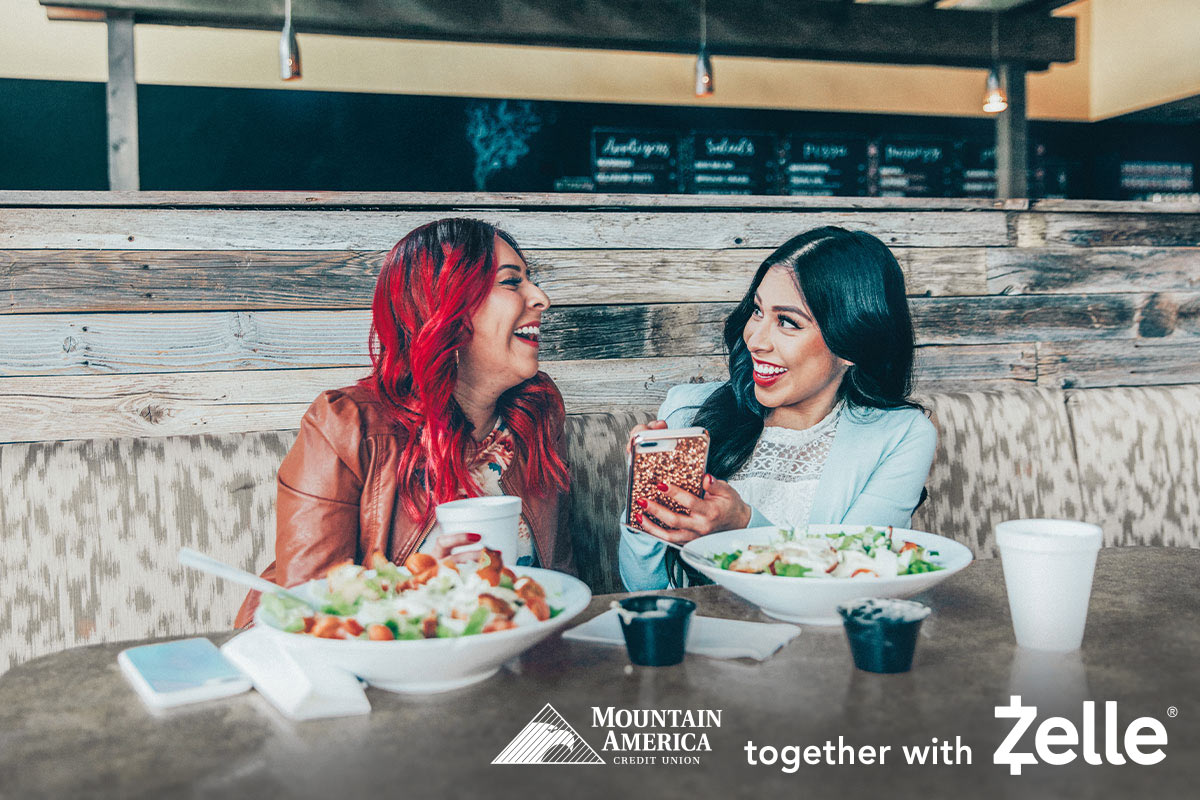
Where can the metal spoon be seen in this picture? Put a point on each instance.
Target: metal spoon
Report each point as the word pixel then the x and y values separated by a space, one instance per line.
pixel 197 560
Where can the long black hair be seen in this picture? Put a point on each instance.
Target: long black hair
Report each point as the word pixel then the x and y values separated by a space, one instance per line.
pixel 855 290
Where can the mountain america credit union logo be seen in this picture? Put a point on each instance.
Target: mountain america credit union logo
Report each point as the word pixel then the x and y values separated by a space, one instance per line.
pixel 548 739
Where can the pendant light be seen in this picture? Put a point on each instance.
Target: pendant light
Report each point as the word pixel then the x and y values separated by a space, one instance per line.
pixel 995 99
pixel 289 49
pixel 705 84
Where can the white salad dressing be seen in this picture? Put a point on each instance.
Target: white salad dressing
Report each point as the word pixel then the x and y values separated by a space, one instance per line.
pixel 629 615
pixel 886 608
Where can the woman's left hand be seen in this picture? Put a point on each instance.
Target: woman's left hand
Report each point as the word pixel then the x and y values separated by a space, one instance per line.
pixel 721 509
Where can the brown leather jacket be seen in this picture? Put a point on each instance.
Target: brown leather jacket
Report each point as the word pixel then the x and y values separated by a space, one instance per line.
pixel 338 497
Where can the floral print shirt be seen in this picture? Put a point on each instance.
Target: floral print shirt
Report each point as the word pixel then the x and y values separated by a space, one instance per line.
pixel 493 457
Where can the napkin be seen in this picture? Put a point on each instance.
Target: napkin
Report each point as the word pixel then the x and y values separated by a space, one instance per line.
pixel 707 636
pixel 300 688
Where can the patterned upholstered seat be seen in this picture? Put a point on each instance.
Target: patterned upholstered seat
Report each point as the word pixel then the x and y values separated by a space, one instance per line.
pixel 1138 451
pixel 1000 455
pixel 89 530
pixel 596 453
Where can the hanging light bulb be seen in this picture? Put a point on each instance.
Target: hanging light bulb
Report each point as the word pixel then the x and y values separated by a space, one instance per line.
pixel 994 98
pixel 705 83
pixel 704 75
pixel 289 49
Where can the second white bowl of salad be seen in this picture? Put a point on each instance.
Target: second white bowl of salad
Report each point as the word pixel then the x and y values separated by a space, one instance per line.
pixel 802 575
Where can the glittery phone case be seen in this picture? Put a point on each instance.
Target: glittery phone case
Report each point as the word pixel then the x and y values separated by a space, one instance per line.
pixel 683 465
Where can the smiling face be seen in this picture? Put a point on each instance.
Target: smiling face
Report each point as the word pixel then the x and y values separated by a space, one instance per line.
pixel 503 350
pixel 795 373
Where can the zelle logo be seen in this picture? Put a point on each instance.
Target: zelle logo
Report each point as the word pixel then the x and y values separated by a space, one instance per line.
pixel 1056 737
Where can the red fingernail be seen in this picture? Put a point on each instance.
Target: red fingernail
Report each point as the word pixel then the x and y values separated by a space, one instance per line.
pixel 662 487
pixel 637 518
pixel 473 537
pixel 641 501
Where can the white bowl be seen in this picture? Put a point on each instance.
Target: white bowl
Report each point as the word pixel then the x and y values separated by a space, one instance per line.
pixel 814 601
pixel 437 665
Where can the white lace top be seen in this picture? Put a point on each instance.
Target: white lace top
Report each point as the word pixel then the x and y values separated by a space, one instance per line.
pixel 780 478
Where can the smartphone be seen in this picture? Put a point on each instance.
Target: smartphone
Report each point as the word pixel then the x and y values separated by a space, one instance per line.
pixel 678 457
pixel 184 671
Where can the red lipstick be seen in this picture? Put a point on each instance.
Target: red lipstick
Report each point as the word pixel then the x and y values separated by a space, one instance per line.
pixel 765 380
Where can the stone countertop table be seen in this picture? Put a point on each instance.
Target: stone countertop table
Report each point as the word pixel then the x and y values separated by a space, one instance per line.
pixel 70 725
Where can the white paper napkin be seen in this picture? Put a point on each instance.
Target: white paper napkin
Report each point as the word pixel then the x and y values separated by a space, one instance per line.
pixel 707 636
pixel 298 688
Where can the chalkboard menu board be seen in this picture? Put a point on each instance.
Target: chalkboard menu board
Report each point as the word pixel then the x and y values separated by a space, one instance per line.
pixel 1144 180
pixel 421 143
pixel 976 173
pixel 909 167
pixel 825 165
pixel 732 163
pixel 625 160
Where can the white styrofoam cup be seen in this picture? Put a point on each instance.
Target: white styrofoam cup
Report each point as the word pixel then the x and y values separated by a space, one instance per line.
pixel 494 518
pixel 1048 566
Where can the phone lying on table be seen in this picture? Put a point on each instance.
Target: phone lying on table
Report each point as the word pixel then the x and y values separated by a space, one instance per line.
pixel 678 457
pixel 184 671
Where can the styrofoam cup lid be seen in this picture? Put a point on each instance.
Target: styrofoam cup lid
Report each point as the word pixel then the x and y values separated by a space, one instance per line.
pixel 473 509
pixel 1049 535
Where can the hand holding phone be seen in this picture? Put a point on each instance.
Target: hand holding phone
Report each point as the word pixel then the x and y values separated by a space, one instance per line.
pixel 689 508
pixel 659 457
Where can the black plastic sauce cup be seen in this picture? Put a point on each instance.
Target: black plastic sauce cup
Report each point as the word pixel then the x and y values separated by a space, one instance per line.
pixel 883 632
pixel 655 628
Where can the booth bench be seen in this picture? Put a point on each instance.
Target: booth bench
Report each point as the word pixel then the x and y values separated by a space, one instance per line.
pixel 160 349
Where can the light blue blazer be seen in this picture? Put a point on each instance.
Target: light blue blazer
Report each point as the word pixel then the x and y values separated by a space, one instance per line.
pixel 873 475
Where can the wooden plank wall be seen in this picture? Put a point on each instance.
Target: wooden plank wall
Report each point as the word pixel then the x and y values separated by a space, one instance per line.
pixel 143 314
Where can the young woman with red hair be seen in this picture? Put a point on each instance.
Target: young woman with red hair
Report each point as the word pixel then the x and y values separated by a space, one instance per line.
pixel 454 407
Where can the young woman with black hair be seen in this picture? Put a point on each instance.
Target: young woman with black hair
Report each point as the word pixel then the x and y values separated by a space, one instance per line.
pixel 815 424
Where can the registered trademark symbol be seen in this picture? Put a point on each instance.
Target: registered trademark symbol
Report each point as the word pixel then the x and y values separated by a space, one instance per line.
pixel 1172 712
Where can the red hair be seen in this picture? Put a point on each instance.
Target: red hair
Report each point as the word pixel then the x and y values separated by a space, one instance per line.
pixel 431 283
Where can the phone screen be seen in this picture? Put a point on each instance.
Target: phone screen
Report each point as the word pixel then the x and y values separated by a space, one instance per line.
pixel 186 664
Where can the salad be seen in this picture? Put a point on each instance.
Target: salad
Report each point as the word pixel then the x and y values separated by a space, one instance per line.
pixel 870 554
pixel 424 599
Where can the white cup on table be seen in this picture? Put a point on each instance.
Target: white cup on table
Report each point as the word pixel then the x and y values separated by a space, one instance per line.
pixel 494 518
pixel 1048 567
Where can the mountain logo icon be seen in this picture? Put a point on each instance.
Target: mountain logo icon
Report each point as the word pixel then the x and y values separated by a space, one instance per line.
pixel 548 739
